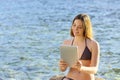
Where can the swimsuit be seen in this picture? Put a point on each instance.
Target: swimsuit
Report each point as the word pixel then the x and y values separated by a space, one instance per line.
pixel 86 53
pixel 66 78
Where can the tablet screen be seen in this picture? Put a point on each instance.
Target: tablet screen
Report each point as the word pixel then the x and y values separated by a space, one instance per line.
pixel 69 54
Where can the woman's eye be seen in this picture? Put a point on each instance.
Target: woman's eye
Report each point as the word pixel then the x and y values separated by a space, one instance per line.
pixel 74 25
pixel 80 27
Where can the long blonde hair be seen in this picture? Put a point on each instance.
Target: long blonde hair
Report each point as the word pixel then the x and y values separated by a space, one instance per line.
pixel 86 24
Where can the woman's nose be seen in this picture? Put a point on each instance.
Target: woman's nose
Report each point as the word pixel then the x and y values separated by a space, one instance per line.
pixel 76 28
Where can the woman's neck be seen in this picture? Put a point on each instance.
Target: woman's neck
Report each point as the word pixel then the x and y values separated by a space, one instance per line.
pixel 79 39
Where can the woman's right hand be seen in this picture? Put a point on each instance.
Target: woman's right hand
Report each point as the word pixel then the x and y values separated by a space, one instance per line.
pixel 63 65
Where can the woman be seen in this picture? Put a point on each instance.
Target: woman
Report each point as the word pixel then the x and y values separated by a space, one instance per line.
pixel 88 50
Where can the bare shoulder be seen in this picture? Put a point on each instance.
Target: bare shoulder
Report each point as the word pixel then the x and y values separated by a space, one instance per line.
pixel 67 42
pixel 94 43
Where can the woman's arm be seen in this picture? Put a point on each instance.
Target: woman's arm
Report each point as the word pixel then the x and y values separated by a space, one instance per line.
pixel 94 60
pixel 62 64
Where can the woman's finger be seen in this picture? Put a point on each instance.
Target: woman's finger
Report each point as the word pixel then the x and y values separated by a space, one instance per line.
pixel 62 63
pixel 80 62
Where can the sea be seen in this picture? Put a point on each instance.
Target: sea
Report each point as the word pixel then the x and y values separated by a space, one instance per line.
pixel 31 32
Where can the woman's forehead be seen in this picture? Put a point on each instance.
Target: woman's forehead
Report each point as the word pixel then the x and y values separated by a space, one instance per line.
pixel 78 21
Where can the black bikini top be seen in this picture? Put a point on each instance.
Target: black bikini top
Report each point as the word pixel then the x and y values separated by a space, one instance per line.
pixel 86 55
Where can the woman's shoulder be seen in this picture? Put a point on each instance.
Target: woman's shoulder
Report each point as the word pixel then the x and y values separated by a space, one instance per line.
pixel 93 42
pixel 67 41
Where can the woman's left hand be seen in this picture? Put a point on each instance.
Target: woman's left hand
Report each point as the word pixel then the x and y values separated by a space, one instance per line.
pixel 78 65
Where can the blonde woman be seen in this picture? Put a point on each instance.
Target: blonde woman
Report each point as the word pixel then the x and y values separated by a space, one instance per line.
pixel 88 50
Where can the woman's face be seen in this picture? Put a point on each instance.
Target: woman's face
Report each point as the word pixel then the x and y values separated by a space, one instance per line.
pixel 77 28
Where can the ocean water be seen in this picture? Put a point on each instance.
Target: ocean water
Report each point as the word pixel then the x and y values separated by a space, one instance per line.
pixel 31 32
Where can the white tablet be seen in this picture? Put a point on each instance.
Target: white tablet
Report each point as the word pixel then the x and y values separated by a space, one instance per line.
pixel 69 54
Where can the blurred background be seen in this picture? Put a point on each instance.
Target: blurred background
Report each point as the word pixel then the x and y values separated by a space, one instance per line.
pixel 31 32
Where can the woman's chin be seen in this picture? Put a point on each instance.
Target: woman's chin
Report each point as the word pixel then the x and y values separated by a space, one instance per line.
pixel 77 35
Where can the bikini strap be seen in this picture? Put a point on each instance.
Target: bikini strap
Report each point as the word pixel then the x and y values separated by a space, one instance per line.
pixel 85 42
pixel 72 41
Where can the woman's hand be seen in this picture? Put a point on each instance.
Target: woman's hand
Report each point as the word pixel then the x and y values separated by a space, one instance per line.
pixel 78 66
pixel 63 65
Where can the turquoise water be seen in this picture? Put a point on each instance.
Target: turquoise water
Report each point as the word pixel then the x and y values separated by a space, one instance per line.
pixel 31 32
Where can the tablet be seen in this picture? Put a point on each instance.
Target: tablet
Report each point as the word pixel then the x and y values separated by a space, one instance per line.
pixel 69 54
